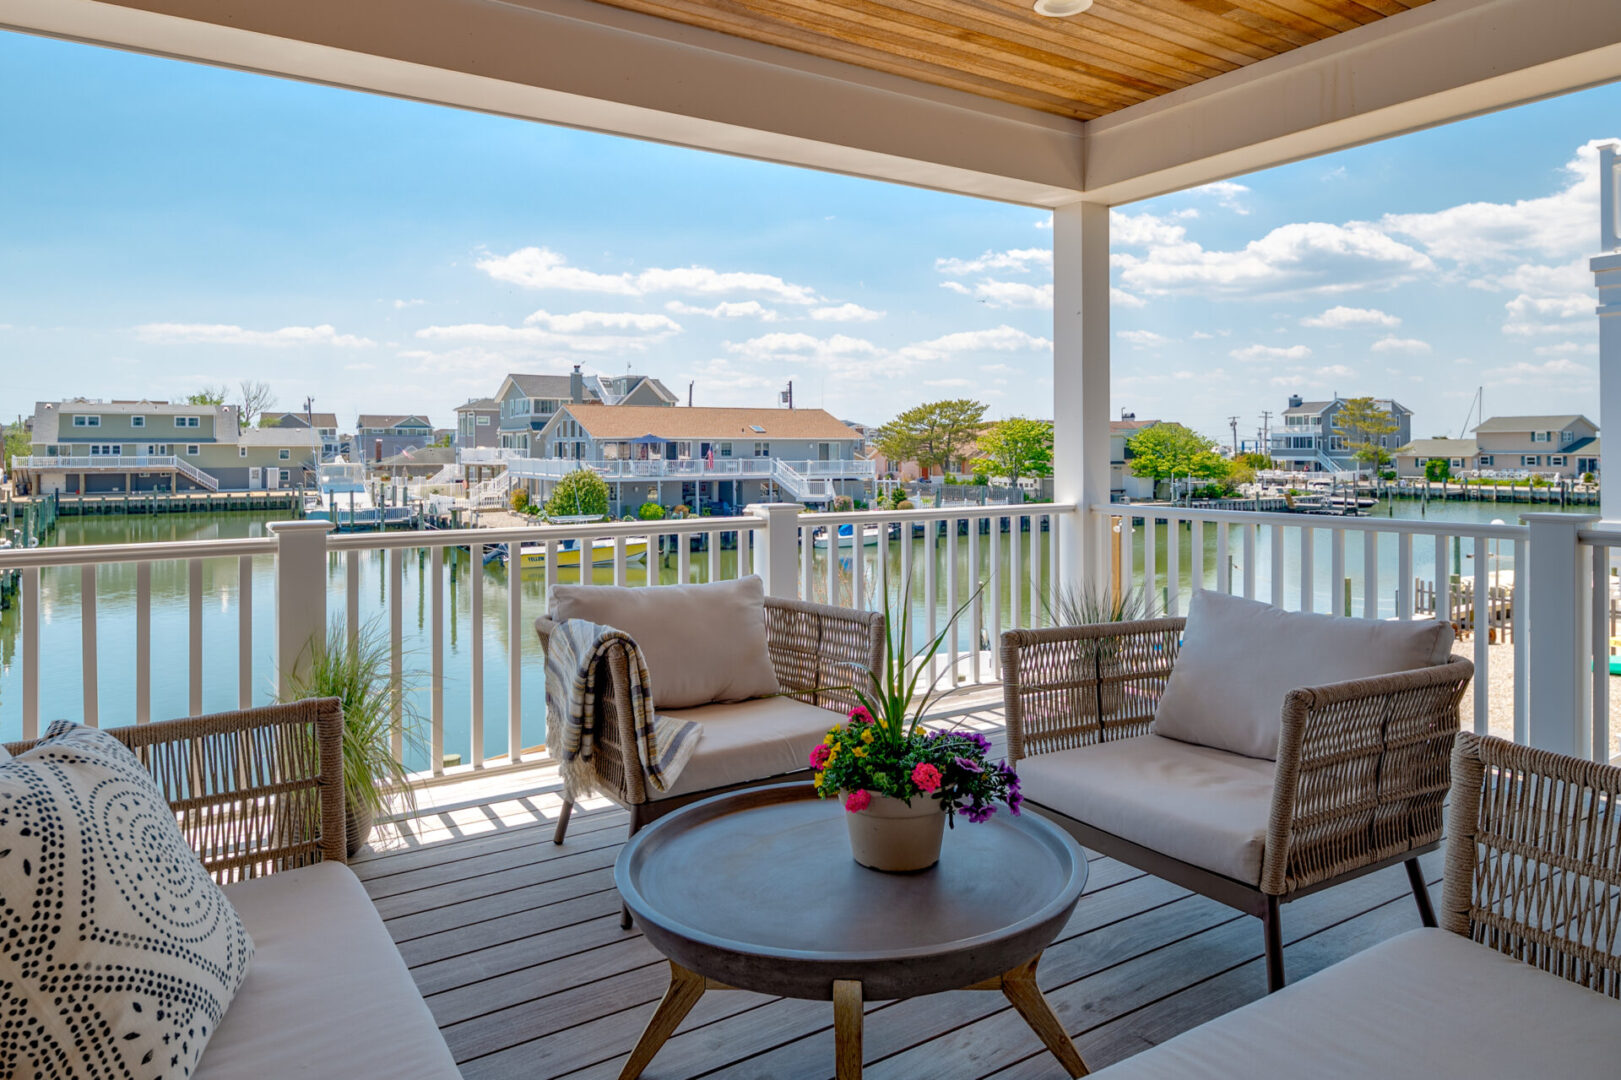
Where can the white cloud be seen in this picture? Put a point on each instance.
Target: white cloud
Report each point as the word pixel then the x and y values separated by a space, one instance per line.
pixel 1200 335
pixel 1270 352
pixel 1142 338
pixel 224 334
pixel 1411 346
pixel 1003 338
pixel 1339 317
pixel 400 305
pixel 1017 260
pixel 948 384
pixel 726 309
pixel 1528 374
pixel 997 369
pixel 1227 194
pixel 543 268
pixel 1045 223
pixel 845 313
pixel 1336 371
pixel 1120 297
pixel 579 331
pixel 578 321
pixel 1568 314
pixel 1568 348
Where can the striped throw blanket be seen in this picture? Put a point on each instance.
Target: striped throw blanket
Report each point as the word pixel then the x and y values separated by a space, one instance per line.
pixel 575 678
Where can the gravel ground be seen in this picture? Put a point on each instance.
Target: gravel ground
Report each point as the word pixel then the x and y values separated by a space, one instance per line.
pixel 1501 694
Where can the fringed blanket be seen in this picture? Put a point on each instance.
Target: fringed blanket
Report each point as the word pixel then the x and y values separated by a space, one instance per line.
pixel 575 678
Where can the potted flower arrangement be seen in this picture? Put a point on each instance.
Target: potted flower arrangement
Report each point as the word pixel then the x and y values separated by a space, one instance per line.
pixel 902 785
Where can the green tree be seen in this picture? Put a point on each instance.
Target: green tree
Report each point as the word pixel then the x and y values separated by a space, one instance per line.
pixel 1437 470
pixel 1362 424
pixel 580 492
pixel 1166 450
pixel 1018 447
pixel 932 434
pixel 18 443
pixel 208 395
pixel 1256 462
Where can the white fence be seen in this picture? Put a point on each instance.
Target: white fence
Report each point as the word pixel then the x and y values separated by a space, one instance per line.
pixel 933 561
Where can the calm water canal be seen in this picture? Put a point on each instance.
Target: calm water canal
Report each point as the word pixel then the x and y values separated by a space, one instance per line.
pixel 61 669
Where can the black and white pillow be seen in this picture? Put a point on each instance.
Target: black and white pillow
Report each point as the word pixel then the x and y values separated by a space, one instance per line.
pixel 118 953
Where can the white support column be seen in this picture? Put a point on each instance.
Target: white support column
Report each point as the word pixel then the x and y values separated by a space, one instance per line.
pixel 1555 607
pixel 300 593
pixel 1081 383
pixel 776 551
pixel 1607 275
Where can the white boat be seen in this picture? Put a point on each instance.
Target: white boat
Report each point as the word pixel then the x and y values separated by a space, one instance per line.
pixel 341 495
pixel 871 536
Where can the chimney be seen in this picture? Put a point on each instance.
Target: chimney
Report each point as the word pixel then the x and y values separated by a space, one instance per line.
pixel 1294 401
pixel 576 386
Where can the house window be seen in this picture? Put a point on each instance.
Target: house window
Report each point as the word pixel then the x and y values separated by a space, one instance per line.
pixel 1530 459
pixel 1542 436
pixel 483 421
pixel 725 450
pixel 137 421
pixel 242 451
pixel 1457 463
pixel 1557 459
pixel 284 455
pixel 87 421
pixel 187 422
pixel 104 449
pixel 191 449
pixel 762 449
pixel 1566 437
pixel 1485 461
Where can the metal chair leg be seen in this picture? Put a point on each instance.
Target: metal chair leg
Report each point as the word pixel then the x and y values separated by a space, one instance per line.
pixel 1272 928
pixel 562 821
pixel 1421 893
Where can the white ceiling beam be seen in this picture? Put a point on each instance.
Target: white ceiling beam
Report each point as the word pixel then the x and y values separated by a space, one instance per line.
pixel 591 66
pixel 1441 62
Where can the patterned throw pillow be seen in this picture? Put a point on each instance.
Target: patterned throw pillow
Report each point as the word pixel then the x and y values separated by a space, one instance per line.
pixel 118 953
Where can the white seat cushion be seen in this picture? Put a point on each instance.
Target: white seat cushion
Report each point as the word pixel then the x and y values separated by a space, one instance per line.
pixel 1239 659
pixel 1202 806
pixel 750 740
pixel 702 643
pixel 328 994
pixel 1427 1003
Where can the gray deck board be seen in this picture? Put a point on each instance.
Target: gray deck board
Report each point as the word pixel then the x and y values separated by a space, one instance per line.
pixel 516 946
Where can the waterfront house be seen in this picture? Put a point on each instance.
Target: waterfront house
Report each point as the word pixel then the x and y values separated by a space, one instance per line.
pixel 382 435
pixel 1123 486
pixel 478 424
pixel 699 457
pixel 1309 441
pixel 527 403
pixel 325 424
pixel 1566 446
pixel 1459 454
pixel 88 446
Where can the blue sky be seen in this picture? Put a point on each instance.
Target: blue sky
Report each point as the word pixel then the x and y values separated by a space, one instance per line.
pixel 168 225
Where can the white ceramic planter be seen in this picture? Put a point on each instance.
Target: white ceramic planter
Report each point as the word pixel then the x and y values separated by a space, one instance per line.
pixel 889 835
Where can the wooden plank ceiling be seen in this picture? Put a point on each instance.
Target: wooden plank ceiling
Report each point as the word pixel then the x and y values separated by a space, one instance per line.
pixel 1118 53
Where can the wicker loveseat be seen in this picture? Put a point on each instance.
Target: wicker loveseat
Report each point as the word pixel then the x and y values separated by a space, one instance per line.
pixel 813 647
pixel 1520 980
pixel 1358 781
pixel 259 795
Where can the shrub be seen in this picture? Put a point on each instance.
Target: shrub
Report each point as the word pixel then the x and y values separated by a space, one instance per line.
pixel 650 511
pixel 1587 478
pixel 843 504
pixel 905 504
pixel 1437 470
pixel 581 492
pixel 519 500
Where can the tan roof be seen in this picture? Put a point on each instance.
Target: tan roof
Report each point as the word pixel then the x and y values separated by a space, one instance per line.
pixel 388 420
pixel 1449 448
pixel 298 419
pixel 1513 424
pixel 616 422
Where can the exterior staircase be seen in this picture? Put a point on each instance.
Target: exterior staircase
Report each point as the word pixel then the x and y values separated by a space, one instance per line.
pixel 805 489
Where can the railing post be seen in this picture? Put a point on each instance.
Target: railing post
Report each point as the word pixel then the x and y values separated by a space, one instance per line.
pixel 777 558
pixel 1556 663
pixel 300 594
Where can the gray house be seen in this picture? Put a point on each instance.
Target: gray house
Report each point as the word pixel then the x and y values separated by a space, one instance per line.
pixel 1309 441
pixel 527 403
pixel 382 435
pixel 478 424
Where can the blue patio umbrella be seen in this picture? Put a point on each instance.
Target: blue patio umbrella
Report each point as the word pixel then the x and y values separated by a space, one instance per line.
pixel 647 440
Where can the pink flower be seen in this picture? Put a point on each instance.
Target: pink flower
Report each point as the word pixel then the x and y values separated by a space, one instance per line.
pixel 819 755
pixel 857 801
pixel 860 715
pixel 926 777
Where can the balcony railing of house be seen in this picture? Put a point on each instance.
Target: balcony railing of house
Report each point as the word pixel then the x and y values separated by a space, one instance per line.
pixel 466 628
pixel 120 463
pixel 489 455
pixel 689 468
pixel 1540 641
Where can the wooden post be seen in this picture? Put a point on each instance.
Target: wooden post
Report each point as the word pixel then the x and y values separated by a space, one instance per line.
pixel 300 594
pixel 1552 591
pixel 777 555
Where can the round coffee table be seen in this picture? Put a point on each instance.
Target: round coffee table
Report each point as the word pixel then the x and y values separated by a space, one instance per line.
pixel 756 890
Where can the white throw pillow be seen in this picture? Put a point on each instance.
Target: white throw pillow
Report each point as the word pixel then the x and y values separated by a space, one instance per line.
pixel 702 643
pixel 1239 658
pixel 119 953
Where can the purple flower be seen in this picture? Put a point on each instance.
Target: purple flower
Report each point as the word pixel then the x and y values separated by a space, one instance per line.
pixel 979 813
pixel 1014 800
pixel 968 766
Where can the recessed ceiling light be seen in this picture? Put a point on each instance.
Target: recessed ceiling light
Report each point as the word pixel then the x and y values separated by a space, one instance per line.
pixel 1061 9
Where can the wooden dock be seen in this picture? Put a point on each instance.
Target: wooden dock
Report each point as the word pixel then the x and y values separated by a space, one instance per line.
pixel 165 502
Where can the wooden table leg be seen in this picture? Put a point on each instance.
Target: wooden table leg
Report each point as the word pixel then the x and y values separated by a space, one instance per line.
pixel 1020 987
pixel 847 1017
pixel 686 988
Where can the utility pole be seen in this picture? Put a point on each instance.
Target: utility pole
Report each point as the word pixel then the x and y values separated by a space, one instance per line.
pixel 1232 421
pixel 787 396
pixel 1266 431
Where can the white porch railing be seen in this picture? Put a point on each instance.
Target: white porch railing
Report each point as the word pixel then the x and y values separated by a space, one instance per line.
pixel 120 463
pixel 689 468
pixel 218 596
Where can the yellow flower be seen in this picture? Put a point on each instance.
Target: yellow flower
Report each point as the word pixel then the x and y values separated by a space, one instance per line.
pixel 860 751
pixel 830 740
pixel 866 736
pixel 817 779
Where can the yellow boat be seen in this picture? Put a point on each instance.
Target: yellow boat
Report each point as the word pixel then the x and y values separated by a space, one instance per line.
pixel 569 552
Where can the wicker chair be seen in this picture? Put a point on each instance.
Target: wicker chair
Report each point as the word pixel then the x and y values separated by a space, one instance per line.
pixel 1360 778
pixel 812 646
pixel 255 792
pixel 1532 886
